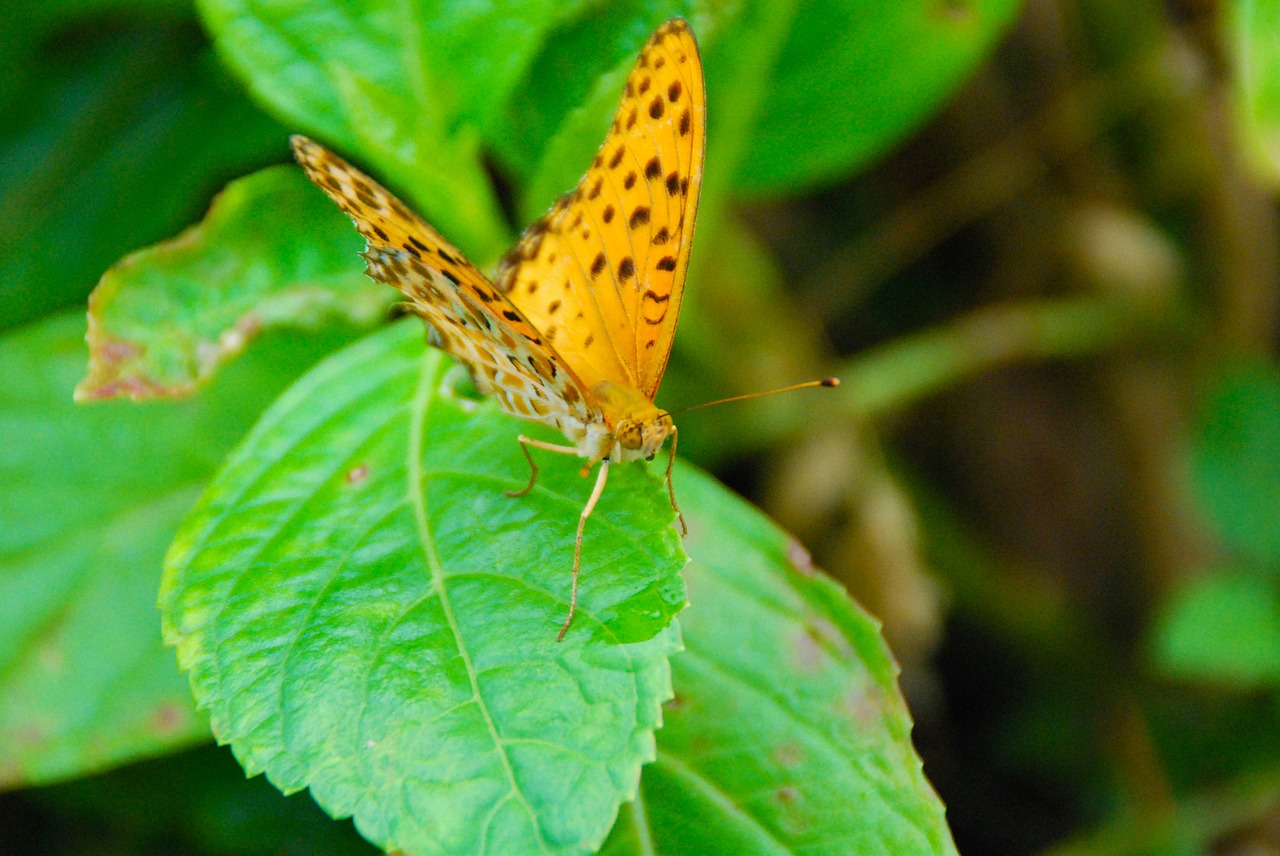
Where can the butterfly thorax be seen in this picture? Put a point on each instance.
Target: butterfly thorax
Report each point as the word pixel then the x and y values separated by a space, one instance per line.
pixel 632 426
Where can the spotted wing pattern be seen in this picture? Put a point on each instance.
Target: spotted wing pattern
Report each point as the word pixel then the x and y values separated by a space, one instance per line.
pixel 469 318
pixel 601 274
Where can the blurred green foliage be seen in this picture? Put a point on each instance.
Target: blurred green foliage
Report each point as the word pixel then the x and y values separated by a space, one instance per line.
pixel 118 127
pixel 1076 563
pixel 1225 625
pixel 1236 464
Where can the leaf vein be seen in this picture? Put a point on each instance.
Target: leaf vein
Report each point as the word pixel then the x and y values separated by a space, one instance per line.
pixel 419 413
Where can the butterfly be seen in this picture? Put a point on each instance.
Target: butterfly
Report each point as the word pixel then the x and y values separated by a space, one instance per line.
pixel 575 329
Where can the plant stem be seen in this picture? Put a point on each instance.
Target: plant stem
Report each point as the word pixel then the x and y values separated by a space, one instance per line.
pixel 893 376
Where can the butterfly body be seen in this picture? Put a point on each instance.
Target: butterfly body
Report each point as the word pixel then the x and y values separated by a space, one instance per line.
pixel 575 329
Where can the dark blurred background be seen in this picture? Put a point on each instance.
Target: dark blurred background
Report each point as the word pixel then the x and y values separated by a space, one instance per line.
pixel 1054 479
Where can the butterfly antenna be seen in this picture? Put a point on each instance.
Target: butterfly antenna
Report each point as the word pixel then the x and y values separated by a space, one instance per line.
pixel 826 381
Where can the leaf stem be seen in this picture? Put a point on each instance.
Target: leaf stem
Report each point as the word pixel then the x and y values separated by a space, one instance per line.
pixel 893 376
pixel 432 369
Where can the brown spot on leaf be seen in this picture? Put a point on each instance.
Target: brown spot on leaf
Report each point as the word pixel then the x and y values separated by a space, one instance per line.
pixel 788 754
pixel 807 655
pixel 168 718
pixel 862 705
pixel 800 559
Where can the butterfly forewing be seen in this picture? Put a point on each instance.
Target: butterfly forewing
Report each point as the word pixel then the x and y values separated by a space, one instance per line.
pixel 469 317
pixel 601 275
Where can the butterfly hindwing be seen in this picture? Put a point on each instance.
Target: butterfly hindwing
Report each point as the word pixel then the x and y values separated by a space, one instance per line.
pixel 602 273
pixel 469 317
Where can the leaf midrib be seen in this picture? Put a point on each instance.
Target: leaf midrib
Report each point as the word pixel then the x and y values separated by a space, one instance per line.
pixel 418 413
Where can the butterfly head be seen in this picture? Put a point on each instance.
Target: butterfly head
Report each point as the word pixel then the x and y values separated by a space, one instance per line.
pixel 642 438
pixel 633 427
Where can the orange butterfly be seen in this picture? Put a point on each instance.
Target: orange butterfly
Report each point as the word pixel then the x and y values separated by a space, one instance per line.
pixel 576 328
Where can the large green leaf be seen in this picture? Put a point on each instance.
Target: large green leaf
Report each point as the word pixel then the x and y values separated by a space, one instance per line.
pixel 787 733
pixel 91 499
pixel 853 78
pixel 363 612
pixel 407 86
pixel 273 251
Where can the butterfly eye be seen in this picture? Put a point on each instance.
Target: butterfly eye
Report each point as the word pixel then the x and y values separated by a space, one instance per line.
pixel 651 456
pixel 629 434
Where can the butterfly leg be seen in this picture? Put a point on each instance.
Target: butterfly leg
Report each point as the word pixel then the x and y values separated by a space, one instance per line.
pixel 525 443
pixel 577 547
pixel 671 488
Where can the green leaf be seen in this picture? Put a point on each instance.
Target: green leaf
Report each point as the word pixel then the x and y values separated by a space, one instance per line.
pixel 409 87
pixel 273 251
pixel 1252 42
pixel 363 612
pixel 112 146
pixel 91 499
pixel 560 113
pixel 854 78
pixel 1236 462
pixel 787 733
pixel 1223 627
pixel 570 148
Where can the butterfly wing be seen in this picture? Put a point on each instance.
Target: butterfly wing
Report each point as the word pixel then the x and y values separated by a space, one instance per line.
pixel 469 318
pixel 602 273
